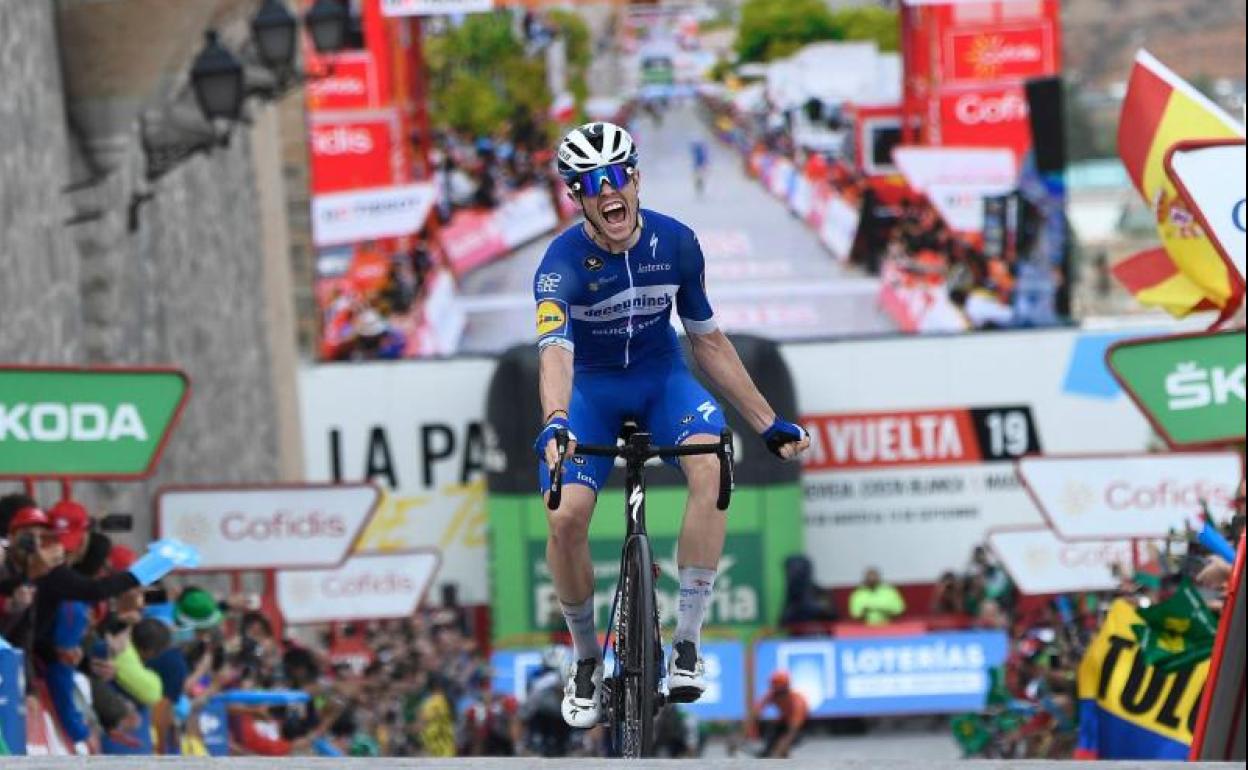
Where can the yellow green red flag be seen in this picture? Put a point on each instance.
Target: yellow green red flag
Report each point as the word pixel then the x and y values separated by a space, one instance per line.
pixel 1160 110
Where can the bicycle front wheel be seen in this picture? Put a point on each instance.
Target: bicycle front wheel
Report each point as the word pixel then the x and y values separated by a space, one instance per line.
pixel 637 653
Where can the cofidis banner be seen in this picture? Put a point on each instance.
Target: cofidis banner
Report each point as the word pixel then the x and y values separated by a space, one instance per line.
pixel 1127 708
pixel 920 674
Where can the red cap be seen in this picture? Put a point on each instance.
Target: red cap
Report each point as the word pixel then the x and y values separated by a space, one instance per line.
pixel 71 522
pixel 121 558
pixel 780 679
pixel 28 517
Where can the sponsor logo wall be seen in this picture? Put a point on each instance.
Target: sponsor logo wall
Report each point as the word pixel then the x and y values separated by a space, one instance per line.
pixel 921 433
pixel 350 154
pixel 364 215
pixel 476 237
pixel 914 441
pixel 417 430
pixel 926 673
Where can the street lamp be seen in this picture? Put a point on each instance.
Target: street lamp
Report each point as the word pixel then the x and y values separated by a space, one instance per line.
pixel 273 32
pixel 327 21
pixel 217 80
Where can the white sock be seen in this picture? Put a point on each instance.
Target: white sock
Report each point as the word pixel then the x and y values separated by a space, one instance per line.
pixel 580 620
pixel 696 586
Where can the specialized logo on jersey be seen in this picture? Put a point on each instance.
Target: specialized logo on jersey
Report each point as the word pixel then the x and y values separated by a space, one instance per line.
pixel 641 300
pixel 548 283
pixel 593 263
pixel 552 317
pixel 654 246
pixel 706 409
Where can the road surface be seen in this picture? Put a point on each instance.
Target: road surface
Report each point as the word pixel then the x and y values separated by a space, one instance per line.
pixel 767 273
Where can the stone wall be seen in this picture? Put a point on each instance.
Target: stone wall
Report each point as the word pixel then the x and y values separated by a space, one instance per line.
pixel 180 279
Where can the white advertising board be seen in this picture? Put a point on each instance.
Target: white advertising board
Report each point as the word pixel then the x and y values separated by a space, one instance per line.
pixel 362 215
pixel 367 587
pixel 1213 179
pixel 1122 496
pixel 434 7
pixel 1041 563
pixel 924 167
pixel 267 527
pixel 914 440
pixel 417 429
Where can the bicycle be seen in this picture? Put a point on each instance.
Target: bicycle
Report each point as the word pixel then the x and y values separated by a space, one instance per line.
pixel 631 697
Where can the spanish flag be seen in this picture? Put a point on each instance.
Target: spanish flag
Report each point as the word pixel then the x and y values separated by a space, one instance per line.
pixel 1160 110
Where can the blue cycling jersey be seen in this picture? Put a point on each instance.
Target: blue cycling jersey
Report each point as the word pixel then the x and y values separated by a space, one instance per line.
pixel 613 311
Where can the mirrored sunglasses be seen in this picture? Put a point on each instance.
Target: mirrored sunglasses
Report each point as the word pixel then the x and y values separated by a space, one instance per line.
pixel 591 182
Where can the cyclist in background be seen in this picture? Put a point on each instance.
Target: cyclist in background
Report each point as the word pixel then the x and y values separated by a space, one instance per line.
pixel 605 293
pixel 781 735
pixel 701 159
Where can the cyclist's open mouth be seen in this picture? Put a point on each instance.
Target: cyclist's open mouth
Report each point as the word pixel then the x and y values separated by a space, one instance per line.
pixel 615 212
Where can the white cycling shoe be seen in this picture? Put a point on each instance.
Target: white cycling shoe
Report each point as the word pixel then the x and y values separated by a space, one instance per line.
pixel 686 679
pixel 582 696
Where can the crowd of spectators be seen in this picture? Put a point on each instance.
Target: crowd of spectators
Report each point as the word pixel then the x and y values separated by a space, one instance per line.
pixel 372 309
pixel 901 236
pixel 128 659
pixel 1032 706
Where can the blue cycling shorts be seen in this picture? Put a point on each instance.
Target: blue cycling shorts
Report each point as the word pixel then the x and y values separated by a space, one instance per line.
pixel 663 397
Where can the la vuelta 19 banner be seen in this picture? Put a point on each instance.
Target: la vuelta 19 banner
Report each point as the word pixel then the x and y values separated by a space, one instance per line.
pixel 913 442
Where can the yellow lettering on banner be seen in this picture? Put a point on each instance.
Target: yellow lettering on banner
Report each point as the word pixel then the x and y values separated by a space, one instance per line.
pixel 470 517
pixel 1114 674
pixel 422 521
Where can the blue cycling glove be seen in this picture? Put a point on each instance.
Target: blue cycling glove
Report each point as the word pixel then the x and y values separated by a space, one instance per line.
pixel 548 432
pixel 781 433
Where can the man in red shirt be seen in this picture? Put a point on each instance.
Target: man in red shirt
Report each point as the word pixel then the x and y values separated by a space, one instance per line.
pixel 779 736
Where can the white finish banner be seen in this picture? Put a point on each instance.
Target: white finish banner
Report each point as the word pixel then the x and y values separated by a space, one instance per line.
pixel 956 166
pixel 362 215
pixel 1141 496
pixel 434 7
pixel 1040 563
pixel 1213 179
pixel 417 429
pixel 267 527
pixel 914 440
pixel 376 587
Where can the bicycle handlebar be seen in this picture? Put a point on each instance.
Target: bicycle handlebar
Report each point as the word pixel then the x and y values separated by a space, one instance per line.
pixel 635 454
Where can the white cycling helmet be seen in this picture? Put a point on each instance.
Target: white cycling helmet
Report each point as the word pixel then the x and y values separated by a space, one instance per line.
pixel 593 146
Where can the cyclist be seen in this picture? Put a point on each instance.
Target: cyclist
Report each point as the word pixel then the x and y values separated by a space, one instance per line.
pixel 605 292
pixel 701 159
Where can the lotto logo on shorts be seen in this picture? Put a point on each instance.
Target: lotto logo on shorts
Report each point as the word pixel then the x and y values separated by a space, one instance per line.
pixel 552 318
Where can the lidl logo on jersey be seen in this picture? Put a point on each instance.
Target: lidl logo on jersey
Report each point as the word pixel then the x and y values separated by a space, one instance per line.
pixel 552 318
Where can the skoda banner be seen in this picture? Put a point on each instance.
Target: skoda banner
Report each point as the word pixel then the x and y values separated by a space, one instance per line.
pixel 1190 386
pixel 938 673
pixel 724 699
pixel 1125 496
pixel 106 423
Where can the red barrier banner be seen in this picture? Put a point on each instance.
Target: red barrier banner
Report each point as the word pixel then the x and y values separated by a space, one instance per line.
pixel 995 116
pixel 353 154
pixel 351 84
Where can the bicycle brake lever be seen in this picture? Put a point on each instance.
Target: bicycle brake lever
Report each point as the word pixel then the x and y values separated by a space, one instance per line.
pixel 556 473
pixel 727 480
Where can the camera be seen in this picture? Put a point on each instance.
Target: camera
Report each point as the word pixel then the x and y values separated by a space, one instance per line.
pixel 115 522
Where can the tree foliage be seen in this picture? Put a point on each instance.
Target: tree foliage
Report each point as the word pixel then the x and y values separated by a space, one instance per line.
pixel 773 29
pixel 869 23
pixel 482 76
